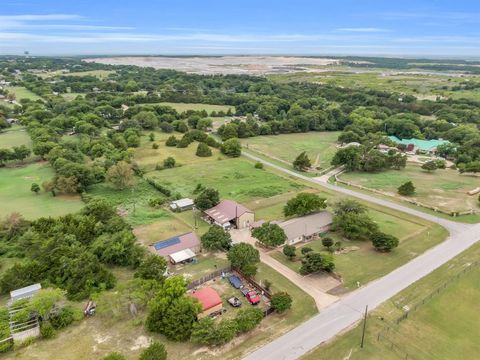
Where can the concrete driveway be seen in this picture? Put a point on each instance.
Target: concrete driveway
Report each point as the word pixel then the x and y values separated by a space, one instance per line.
pixel 314 285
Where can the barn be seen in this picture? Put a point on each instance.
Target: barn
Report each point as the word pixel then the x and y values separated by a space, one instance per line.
pixel 230 214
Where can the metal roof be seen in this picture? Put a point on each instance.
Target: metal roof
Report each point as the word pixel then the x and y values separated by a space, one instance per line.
pixel 306 225
pixel 25 291
pixel 426 145
pixel 182 255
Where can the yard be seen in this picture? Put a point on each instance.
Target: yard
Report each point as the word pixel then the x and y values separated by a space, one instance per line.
pixel 114 329
pixel 235 179
pixel 15 194
pixel 361 262
pixel 446 189
pixel 319 146
pixel 14 136
pixel 445 327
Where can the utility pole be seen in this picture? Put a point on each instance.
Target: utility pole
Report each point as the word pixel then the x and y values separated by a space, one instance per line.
pixel 364 325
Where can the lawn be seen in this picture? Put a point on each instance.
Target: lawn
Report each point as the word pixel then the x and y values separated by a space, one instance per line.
pixel 446 189
pixel 15 194
pixel 148 158
pixel 320 146
pixel 23 93
pixel 206 264
pixel 434 331
pixel 360 262
pixel 181 107
pixel 15 136
pixel 163 227
pixel 235 179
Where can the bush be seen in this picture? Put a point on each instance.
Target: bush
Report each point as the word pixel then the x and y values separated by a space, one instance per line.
pixel 258 165
pixel 155 351
pixel 232 148
pixel 327 242
pixel 281 301
pixel 63 318
pixel 159 187
pixel 306 250
pixel 384 242
pixel 169 163
pixel 290 251
pixel 154 146
pixel 171 141
pixel 407 189
pixel 46 330
pixel 114 356
pixel 248 318
pixel 203 150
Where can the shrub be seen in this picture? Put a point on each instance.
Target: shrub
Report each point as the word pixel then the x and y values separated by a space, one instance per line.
pixel 281 301
pixel 258 165
pixel 327 242
pixel 155 146
pixel 64 317
pixel 155 351
pixel 114 356
pixel 156 202
pixel 306 250
pixel 169 162
pixel 171 141
pixel 248 318
pixel 384 242
pixel 289 251
pixel 46 330
pixel 203 150
pixel 406 189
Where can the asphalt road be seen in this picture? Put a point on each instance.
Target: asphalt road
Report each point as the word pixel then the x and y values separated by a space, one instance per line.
pixel 349 310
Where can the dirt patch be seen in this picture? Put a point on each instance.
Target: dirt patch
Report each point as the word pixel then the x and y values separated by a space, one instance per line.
pixel 141 342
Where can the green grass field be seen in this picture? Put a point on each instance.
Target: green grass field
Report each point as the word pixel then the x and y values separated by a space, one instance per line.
pixel 181 107
pixel 23 93
pixel 15 136
pixel 320 146
pixel 133 201
pixel 15 194
pixel 147 157
pixel 72 96
pixel 445 189
pixel 446 327
pixel 235 179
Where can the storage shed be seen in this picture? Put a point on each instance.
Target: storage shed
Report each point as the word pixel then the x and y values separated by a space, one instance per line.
pixel 24 293
pixel 210 301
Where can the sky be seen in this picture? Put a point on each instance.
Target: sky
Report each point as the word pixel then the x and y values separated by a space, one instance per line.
pixel 427 28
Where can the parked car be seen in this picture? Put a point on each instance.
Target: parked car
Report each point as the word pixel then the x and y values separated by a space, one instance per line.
pixel 235 281
pixel 253 297
pixel 234 301
pixel 245 290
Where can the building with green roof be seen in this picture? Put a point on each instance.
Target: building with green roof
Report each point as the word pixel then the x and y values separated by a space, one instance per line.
pixel 426 146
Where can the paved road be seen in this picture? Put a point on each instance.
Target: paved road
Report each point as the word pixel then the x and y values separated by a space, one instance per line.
pixel 346 312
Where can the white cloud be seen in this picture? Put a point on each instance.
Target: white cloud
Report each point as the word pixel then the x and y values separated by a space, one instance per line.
pixel 363 30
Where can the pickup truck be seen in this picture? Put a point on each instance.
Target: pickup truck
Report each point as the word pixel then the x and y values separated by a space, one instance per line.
pixel 253 297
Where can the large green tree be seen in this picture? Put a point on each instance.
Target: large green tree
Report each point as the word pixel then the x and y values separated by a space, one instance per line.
pixel 304 204
pixel 302 162
pixel 270 235
pixel 207 199
pixel 216 238
pixel 232 148
pixel 244 257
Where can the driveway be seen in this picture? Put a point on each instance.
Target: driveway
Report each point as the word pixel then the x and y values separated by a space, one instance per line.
pixel 349 310
pixel 315 286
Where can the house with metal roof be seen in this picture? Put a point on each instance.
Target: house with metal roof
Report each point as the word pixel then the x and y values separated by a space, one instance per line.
pixel 230 214
pixel 179 248
pixel 425 146
pixel 307 227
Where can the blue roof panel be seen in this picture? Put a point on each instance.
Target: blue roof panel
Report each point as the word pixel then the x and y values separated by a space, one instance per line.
pixel 166 243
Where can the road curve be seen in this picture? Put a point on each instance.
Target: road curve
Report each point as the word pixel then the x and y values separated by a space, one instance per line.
pixel 346 312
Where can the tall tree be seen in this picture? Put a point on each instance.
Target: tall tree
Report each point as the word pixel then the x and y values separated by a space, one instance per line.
pixel 304 204
pixel 269 234
pixel 302 162
pixel 121 175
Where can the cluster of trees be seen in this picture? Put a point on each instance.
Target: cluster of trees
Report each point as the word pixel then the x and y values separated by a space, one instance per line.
pixel 361 158
pixel 304 204
pixel 16 153
pixel 353 222
pixel 71 252
pixel 269 235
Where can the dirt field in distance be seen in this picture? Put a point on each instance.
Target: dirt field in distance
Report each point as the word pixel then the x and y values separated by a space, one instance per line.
pixel 254 65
